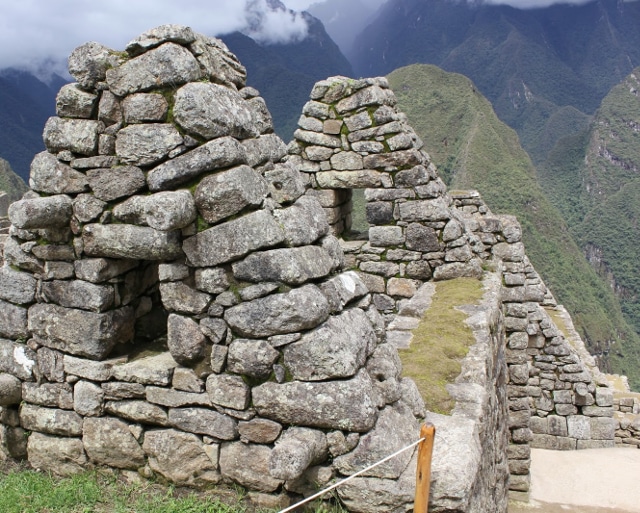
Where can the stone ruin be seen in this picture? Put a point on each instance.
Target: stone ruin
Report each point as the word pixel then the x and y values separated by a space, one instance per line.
pixel 175 300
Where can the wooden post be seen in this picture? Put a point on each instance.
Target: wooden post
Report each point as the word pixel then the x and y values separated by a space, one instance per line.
pixel 423 472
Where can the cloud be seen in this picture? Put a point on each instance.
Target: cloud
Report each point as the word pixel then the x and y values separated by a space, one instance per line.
pixel 274 25
pixel 34 34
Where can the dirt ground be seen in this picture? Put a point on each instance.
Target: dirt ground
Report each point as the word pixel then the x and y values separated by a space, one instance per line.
pixel 588 481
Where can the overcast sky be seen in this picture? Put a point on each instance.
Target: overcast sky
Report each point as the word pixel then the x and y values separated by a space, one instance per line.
pixel 37 31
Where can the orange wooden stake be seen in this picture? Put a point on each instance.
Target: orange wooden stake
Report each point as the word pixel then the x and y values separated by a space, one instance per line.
pixel 423 472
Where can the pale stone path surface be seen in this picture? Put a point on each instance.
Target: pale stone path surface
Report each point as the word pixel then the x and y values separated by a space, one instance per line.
pixel 587 481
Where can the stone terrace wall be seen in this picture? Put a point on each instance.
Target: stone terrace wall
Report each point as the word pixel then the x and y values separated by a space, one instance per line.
pixel 557 397
pixel 4 204
pixel 169 293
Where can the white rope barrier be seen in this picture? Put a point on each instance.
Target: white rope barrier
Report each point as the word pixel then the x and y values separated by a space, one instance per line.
pixel 339 483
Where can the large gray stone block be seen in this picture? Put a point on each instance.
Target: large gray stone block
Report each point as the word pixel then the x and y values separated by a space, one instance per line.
pixel 109 184
pixel 234 239
pixel 60 456
pixel 144 145
pixel 79 294
pixel 299 309
pixel 228 192
pixel 109 441
pixel 79 332
pixel 204 422
pixel 50 176
pixel 336 349
pixel 77 135
pixel 210 110
pixel 13 321
pixel 179 457
pixel 46 212
pixel 16 287
pixel 131 242
pixel 166 65
pixel 346 404
pixel 289 265
pixel 248 465
pixel 219 153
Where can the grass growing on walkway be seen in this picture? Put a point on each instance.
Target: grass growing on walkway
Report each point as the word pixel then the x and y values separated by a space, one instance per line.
pixel 440 342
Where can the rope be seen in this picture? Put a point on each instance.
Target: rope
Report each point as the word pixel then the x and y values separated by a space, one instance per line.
pixel 339 483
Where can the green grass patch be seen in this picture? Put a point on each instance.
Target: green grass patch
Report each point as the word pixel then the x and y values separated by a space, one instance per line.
pixel 27 491
pixel 440 342
pixel 23 490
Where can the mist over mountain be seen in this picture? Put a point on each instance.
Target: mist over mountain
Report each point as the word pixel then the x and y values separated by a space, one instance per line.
pixel 535 65
pixel 343 21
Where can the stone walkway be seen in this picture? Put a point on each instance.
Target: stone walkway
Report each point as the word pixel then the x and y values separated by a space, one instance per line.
pixel 587 481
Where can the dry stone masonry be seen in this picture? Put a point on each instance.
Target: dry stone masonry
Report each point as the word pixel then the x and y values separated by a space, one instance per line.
pixel 175 300
pixel 173 304
pixel 351 136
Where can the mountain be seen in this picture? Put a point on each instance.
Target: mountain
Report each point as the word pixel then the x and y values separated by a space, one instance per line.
pixel 343 21
pixel 10 182
pixel 25 104
pixel 285 73
pixel 594 178
pixel 544 70
pixel 474 149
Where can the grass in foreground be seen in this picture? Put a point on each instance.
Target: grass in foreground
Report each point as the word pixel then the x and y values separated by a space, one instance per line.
pixel 27 491
pixel 440 342
pixel 23 490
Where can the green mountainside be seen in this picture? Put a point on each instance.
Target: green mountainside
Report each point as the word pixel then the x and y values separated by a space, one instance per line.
pixel 594 178
pixel 474 149
pixel 545 70
pixel 10 182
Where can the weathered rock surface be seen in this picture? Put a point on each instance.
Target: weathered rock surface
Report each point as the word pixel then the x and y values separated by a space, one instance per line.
pixel 352 407
pixel 109 441
pixel 79 332
pixel 179 457
pixel 130 241
pixel 301 308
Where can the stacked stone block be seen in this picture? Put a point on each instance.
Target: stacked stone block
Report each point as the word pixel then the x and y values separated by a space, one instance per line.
pixel 173 304
pixel 557 397
pixel 626 415
pixel 351 136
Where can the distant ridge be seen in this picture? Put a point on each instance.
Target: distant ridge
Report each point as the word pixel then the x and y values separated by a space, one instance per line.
pixel 532 64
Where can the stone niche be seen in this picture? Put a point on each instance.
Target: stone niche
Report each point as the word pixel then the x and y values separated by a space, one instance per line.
pixel 172 303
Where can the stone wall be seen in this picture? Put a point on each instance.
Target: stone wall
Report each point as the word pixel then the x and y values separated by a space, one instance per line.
pixel 170 292
pixel 173 280
pixel 626 415
pixel 557 397
pixel 351 136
